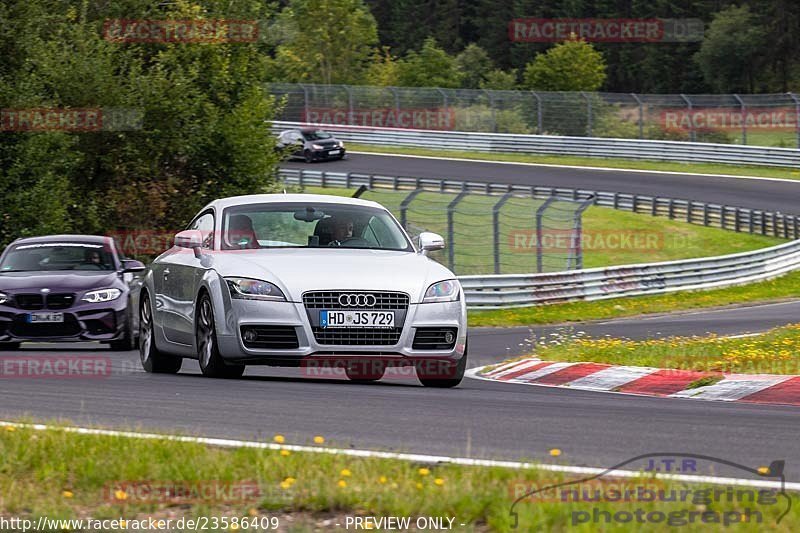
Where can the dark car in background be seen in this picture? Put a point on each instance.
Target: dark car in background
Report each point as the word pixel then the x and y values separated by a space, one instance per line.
pixel 311 144
pixel 67 288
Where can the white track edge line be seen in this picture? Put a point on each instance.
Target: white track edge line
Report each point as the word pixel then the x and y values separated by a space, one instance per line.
pixel 412 457
pixel 579 167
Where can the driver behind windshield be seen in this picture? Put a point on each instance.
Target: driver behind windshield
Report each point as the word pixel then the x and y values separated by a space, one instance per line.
pixel 342 229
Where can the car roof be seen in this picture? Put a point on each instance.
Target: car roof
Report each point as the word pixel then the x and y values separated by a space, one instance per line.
pixel 290 198
pixel 94 239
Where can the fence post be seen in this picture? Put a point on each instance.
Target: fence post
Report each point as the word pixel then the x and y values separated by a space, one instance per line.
pixel 577 232
pixel 350 106
pixel 405 203
pixel 306 107
pixel 692 133
pixel 744 121
pixel 540 233
pixel 797 115
pixel 451 248
pixel 641 115
pixel 492 109
pixel 539 128
pixel 588 114
pixel 396 99
pixel 496 229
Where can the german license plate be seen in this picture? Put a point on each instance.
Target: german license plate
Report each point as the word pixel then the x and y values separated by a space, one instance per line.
pixel 36 318
pixel 356 319
pixel 334 152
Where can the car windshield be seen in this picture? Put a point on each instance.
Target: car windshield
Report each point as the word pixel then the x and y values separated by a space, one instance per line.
pixel 316 135
pixel 311 225
pixel 57 256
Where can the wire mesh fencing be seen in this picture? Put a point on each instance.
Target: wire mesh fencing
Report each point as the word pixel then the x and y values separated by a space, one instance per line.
pixel 764 120
pixel 491 234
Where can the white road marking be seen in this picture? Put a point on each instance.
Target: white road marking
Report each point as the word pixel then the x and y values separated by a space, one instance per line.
pixel 611 378
pixel 518 366
pixel 579 167
pixel 541 372
pixel 732 388
pixel 411 457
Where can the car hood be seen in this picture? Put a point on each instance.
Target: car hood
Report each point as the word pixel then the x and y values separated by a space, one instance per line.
pixel 296 271
pixel 73 281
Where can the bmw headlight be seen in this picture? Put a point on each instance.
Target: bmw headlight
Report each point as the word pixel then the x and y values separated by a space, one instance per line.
pixel 254 289
pixel 443 291
pixel 317 146
pixel 3 297
pixel 102 295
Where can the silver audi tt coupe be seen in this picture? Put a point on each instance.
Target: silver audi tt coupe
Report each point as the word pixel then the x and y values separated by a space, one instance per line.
pixel 303 280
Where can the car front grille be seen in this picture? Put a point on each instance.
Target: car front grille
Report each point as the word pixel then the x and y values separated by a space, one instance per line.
pixel 34 302
pixel 274 337
pixel 330 300
pixel 357 336
pixel 29 302
pixel 434 339
pixel 60 300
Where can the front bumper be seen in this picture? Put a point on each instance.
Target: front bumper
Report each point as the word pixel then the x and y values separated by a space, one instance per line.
pixel 326 153
pixel 82 322
pixel 259 313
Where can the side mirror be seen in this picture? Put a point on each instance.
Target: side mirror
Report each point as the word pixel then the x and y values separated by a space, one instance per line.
pixel 190 238
pixel 132 265
pixel 429 242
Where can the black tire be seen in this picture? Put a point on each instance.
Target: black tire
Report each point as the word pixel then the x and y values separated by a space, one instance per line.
pixel 365 371
pixel 211 362
pixel 126 342
pixel 10 345
pixel 454 373
pixel 307 156
pixel 152 359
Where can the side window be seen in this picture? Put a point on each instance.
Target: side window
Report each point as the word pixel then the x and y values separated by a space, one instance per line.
pixel 205 223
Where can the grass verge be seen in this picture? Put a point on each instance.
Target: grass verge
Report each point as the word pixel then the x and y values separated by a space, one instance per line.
pixel 698 168
pixel 67 476
pixel 784 287
pixel 774 352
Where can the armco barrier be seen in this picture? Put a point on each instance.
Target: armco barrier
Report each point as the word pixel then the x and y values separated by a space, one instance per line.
pixel 514 290
pixel 685 152
pixel 503 291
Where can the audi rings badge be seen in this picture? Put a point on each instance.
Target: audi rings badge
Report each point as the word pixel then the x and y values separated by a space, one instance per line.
pixel 357 300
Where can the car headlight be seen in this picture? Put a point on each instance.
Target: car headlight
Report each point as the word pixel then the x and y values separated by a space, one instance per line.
pixel 317 146
pixel 102 295
pixel 443 291
pixel 254 289
pixel 341 144
pixel 3 297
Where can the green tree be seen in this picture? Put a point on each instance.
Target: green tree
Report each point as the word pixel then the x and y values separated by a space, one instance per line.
pixel 326 41
pixel 474 65
pixel 383 71
pixel 500 80
pixel 201 112
pixel 570 66
pixel 732 52
pixel 430 67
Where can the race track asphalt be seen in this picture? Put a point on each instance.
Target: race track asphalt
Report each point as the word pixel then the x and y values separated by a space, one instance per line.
pixel 477 419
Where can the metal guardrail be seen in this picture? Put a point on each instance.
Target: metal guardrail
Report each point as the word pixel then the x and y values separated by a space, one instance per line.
pixel 761 119
pixel 513 290
pixel 572 146
pixel 740 219
pixel 504 291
